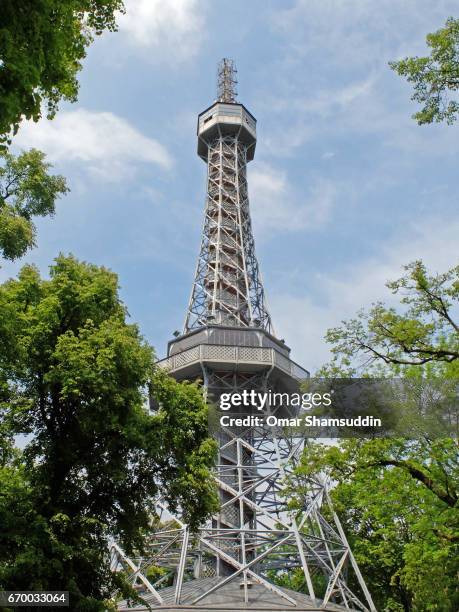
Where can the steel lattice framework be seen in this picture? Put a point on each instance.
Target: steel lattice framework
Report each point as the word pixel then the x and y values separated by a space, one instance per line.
pixel 226 80
pixel 254 537
pixel 242 552
pixel 227 289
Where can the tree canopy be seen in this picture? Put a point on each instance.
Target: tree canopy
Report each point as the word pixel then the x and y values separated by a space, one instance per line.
pixel 42 45
pixel 398 497
pixel 397 501
pixel 75 378
pixel 424 330
pixel 436 76
pixel 27 190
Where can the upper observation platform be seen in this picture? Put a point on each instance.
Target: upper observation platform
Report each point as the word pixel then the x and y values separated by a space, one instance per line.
pixel 226 119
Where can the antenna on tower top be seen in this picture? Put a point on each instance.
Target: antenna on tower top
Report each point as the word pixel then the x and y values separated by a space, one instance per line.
pixel 227 81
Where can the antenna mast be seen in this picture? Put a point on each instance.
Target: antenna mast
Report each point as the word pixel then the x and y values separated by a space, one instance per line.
pixel 226 81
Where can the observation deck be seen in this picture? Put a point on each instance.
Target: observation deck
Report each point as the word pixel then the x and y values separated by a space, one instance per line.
pixel 232 349
pixel 225 118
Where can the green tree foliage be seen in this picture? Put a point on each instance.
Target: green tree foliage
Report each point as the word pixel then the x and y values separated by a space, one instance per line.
pixel 76 377
pixel 425 331
pixel 397 501
pixel 42 45
pixel 436 76
pixel 398 498
pixel 27 190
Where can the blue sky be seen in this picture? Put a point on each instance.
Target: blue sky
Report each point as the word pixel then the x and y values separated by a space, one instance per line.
pixel 345 187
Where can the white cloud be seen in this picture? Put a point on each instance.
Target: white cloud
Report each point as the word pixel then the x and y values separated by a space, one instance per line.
pixel 102 142
pixel 332 88
pixel 354 106
pixel 277 207
pixel 173 28
pixel 343 49
pixel 329 102
pixel 304 321
pixel 360 32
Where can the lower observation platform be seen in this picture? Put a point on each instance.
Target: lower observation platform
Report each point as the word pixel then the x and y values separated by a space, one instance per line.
pixel 229 598
pixel 232 349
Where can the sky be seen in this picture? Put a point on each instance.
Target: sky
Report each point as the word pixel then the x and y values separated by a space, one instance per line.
pixel 345 187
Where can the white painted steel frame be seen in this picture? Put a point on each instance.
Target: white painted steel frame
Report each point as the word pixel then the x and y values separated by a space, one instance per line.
pixel 254 536
pixel 261 536
pixel 227 288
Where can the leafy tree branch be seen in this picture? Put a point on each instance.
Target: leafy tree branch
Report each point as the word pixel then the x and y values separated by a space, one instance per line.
pixel 426 332
pixel 42 45
pixel 27 190
pixel 436 76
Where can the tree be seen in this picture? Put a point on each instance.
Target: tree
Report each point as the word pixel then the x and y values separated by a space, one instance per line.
pixel 436 76
pixel 424 332
pixel 395 500
pixel 398 497
pixel 42 45
pixel 27 190
pixel 76 378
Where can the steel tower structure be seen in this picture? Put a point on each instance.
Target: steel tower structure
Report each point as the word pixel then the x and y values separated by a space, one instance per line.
pixel 228 342
pixel 227 289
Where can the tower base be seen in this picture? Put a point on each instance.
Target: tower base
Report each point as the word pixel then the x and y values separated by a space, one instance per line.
pixel 229 598
pixel 234 561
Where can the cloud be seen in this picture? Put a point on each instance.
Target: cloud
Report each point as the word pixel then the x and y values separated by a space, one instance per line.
pixel 355 106
pixel 344 48
pixel 103 143
pixel 304 321
pixel 277 207
pixel 173 28
pixel 359 32
pixel 328 102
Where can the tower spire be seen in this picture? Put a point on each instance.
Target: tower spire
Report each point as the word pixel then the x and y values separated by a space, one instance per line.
pixel 227 288
pixel 227 81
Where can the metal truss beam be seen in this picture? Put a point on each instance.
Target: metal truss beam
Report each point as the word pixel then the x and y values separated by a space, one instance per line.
pixel 227 289
pixel 254 536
